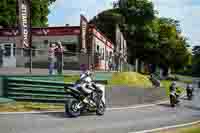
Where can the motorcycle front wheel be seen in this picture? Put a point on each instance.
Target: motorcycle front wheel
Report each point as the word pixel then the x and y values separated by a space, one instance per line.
pixel 101 108
pixel 71 108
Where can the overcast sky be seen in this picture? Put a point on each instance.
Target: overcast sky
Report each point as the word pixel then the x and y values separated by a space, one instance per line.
pixel 186 11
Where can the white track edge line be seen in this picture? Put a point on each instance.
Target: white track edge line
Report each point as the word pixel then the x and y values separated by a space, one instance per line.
pixel 167 127
pixel 137 106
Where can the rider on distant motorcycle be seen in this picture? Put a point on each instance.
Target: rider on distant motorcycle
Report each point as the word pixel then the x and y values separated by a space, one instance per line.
pixel 173 89
pixel 189 89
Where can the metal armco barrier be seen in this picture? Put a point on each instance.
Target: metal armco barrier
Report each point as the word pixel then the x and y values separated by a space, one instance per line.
pixel 21 89
pixel 34 90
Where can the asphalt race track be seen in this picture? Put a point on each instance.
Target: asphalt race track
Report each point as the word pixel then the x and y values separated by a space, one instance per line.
pixel 114 121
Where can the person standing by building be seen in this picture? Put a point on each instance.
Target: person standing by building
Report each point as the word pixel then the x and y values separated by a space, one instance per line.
pixel 110 64
pixel 51 57
pixel 59 57
pixel 1 56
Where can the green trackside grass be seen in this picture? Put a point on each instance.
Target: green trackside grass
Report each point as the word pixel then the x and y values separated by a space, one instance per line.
pixel 192 129
pixel 130 79
pixel 185 79
pixel 71 79
pixel 121 78
pixel 183 76
pixel 28 106
pixel 166 85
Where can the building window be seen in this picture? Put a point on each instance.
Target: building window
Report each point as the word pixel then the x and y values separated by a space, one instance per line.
pixel 7 49
pixel 70 47
pixel 98 49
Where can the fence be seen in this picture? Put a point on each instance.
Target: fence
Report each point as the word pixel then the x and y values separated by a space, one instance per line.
pixel 18 61
pixel 34 90
pixel 37 88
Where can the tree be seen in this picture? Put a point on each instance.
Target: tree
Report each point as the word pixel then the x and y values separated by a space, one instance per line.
pixel 151 39
pixel 196 60
pixel 106 22
pixel 132 16
pixel 40 11
pixel 173 46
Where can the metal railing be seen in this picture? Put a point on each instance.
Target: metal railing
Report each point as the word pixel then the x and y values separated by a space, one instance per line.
pixel 48 89
pixel 18 61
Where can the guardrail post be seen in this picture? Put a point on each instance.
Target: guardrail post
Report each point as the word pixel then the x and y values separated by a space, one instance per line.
pixel 1 86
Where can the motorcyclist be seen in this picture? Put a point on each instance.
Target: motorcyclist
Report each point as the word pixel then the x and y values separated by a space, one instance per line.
pixel 189 89
pixel 173 89
pixel 86 79
pixel 88 87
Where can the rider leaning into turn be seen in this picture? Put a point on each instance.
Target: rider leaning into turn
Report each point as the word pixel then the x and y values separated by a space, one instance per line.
pixel 174 88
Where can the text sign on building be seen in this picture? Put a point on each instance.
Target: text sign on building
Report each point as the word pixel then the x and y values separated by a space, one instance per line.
pixel 24 20
pixel 83 26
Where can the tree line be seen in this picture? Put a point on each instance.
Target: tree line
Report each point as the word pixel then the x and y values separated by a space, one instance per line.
pixel 9 13
pixel 152 39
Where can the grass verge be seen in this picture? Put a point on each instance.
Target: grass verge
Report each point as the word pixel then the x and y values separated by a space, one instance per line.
pixel 185 79
pixel 130 79
pixel 191 129
pixel 71 79
pixel 28 106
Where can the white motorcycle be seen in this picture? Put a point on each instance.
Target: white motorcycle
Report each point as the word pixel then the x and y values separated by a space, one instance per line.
pixel 86 96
